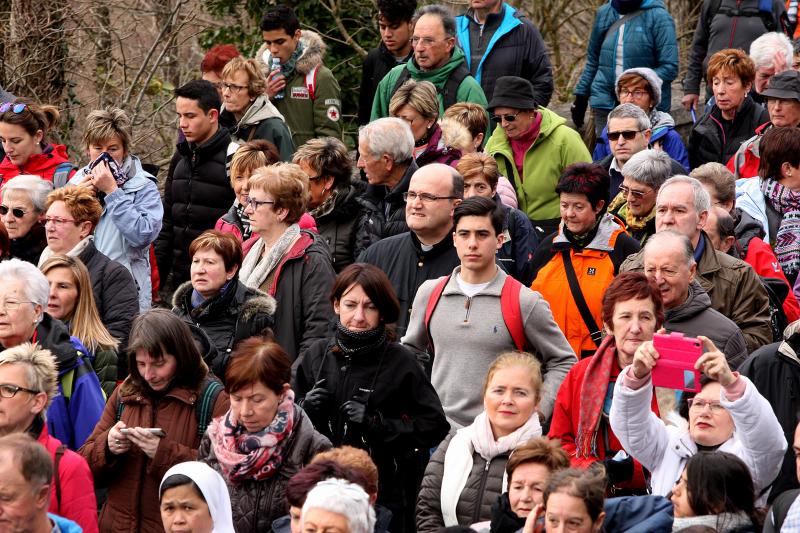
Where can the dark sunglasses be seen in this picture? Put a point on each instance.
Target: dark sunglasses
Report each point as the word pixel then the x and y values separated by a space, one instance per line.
pixel 628 135
pixel 17 108
pixel 508 118
pixel 17 212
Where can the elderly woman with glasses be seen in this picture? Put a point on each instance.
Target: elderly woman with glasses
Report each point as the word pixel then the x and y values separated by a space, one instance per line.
pixel 22 211
pixel 247 112
pixel 291 264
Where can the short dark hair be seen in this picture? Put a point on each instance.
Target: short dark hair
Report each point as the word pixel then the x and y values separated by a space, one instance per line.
pixel 203 92
pixel 478 206
pixel 778 146
pixel 396 11
pixel 179 480
pixel 280 18
pixel 301 483
pixel 588 179
pixel 328 156
pixel 720 482
pixel 375 284
pixel 447 18
pixel 258 360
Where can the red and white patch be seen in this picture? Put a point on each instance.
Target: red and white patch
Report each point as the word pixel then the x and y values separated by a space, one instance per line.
pixel 333 113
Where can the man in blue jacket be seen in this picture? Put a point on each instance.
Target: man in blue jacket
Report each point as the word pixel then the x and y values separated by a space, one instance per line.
pixel 499 41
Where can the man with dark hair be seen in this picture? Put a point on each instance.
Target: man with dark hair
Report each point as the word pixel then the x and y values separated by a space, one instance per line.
pixel 302 88
pixel 499 40
pixel 461 322
pixel 436 59
pixel 197 190
pixel 394 22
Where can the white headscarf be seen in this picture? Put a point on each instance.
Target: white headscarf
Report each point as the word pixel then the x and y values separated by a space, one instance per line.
pixel 214 490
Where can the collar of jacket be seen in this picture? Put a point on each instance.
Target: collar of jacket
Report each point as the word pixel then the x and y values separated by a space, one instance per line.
pixel 744 111
pixel 708 261
pixel 219 141
pixel 785 349
pixel 438 249
pixel 391 58
pixel 395 195
pixel 511 19
pixel 607 230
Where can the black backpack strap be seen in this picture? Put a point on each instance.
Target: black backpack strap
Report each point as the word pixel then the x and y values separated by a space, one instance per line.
pixel 575 288
pixel 450 89
pixel 620 21
pixel 404 76
pixel 59 454
pixel 204 407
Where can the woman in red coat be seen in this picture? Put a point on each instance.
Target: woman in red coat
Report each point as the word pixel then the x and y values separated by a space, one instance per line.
pixel 632 312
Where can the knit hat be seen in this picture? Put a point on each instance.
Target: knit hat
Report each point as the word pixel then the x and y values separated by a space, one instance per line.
pixel 513 92
pixel 785 84
pixel 650 77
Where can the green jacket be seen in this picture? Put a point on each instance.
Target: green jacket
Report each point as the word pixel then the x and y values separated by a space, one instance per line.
pixel 307 115
pixel 556 147
pixel 469 90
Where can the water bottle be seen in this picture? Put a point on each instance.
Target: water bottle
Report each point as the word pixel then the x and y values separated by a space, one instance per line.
pixel 276 67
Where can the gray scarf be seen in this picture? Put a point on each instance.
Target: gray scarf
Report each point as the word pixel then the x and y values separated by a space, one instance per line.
pixel 256 266
pixel 723 522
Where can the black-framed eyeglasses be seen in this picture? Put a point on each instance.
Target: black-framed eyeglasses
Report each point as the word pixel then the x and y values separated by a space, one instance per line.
pixel 255 204
pixel 508 118
pixel 7 390
pixel 18 212
pixel 636 194
pixel 16 108
pixel 424 197
pixel 628 135
pixel 232 87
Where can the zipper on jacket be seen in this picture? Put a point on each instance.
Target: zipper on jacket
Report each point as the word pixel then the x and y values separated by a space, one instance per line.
pixel 468 307
pixel 479 500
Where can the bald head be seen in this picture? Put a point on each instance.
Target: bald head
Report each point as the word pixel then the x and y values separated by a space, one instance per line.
pixel 433 193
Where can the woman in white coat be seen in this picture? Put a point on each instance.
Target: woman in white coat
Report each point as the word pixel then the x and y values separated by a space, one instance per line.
pixel 727 415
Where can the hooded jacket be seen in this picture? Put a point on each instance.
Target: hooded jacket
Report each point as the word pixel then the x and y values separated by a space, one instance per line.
pixel 309 115
pixel 556 147
pixel 751 200
pixel 386 210
pixel 341 222
pixel 519 243
pixel 744 163
pixel 648 40
pixel 377 64
pixel 43 164
pixel 262 120
pixel 515 48
pixel 468 91
pixel 695 316
pixel 130 223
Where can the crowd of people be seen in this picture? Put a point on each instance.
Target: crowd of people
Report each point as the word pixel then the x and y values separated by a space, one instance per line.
pixel 477 323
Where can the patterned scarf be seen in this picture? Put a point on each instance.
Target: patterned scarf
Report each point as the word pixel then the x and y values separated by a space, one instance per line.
pixel 287 69
pixel 247 456
pixel 593 394
pixel 326 206
pixel 354 341
pixel 256 267
pixel 244 219
pixel 787 241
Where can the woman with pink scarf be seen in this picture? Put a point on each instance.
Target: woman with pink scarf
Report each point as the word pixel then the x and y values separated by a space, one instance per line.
pixel 263 439
pixel 466 474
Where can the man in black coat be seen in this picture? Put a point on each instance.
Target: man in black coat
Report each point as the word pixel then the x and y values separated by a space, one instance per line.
pixel 197 190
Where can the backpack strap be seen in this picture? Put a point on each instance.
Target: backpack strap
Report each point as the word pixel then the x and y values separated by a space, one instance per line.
pixel 450 90
pixel 59 454
pixel 205 404
pixel 404 76
pixel 512 314
pixel 431 307
pixel 580 301
pixel 311 82
pixel 61 174
pixel 620 21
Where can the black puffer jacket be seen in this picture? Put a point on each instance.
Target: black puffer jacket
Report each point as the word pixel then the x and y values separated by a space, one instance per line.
pixel 407 416
pixel 716 140
pixel 29 247
pixel 237 314
pixel 484 485
pixel 196 193
pixel 115 294
pixel 386 210
pixel 255 504
pixel 339 224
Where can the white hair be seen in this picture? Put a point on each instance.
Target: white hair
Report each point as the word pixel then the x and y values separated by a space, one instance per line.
pixel 391 136
pixel 344 498
pixel 659 241
pixel 34 283
pixel 763 49
pixel 702 200
pixel 649 167
pixel 33 186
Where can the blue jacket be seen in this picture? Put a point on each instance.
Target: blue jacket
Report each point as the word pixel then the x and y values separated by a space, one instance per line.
pixel 671 143
pixel 520 242
pixel 130 223
pixel 638 514
pixel 64 525
pixel 649 41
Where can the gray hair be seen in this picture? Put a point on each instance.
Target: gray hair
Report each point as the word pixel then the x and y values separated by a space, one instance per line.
pixel 631 111
pixel 763 49
pixel 31 458
pixel 33 186
pixel 702 200
pixel 391 136
pixel 649 167
pixel 40 367
pixel 35 284
pixel 660 240
pixel 444 14
pixel 343 498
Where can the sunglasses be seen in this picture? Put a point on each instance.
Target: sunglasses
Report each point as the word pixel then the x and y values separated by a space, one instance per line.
pixel 508 118
pixel 17 108
pixel 17 212
pixel 628 135
pixel 633 192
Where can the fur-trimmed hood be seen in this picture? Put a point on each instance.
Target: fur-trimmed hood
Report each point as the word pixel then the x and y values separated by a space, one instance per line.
pixel 312 56
pixel 260 302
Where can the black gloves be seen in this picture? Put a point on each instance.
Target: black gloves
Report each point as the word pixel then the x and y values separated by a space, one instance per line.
pixel 355 411
pixel 578 109
pixel 618 471
pixel 316 397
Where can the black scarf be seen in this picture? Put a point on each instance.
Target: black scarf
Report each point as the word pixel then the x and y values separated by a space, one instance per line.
pixel 355 341
pixel 581 241
pixel 504 520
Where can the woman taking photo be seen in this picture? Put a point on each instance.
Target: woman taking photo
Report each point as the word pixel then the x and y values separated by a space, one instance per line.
pixel 286 262
pixel 264 439
pixel 400 412
pixel 216 301
pixel 24 128
pixel 465 473
pixel 194 498
pixel 22 212
pixel 72 302
pixel 169 388
pixel 632 312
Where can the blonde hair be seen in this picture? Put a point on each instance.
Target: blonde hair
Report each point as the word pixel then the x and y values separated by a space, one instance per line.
pixel 420 95
pixel 252 155
pixel 479 164
pixel 102 124
pixel 85 323
pixel 520 359
pixel 256 82
pixel 288 186
pixel 471 115
pixel 40 366
pixel 354 458
pixel 456 135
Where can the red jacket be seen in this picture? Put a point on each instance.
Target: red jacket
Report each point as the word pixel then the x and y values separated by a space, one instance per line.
pixel 564 424
pixel 43 164
pixel 76 484
pixel 761 257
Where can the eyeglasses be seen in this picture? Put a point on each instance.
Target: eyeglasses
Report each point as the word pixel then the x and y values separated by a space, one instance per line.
pixel 58 221
pixel 699 404
pixel 628 135
pixel 13 305
pixel 232 87
pixel 638 93
pixel 16 211
pixel 424 197
pixel 9 391
pixel 16 108
pixel 508 118
pixel 424 41
pixel 255 204
pixel 632 192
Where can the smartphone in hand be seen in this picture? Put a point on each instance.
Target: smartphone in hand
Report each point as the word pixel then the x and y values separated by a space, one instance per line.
pixel 676 358
pixel 158 432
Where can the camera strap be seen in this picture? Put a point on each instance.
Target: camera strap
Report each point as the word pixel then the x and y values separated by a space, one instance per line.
pixel 577 295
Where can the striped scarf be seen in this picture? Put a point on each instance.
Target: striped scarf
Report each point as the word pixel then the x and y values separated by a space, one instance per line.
pixel 593 394
pixel 787 241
